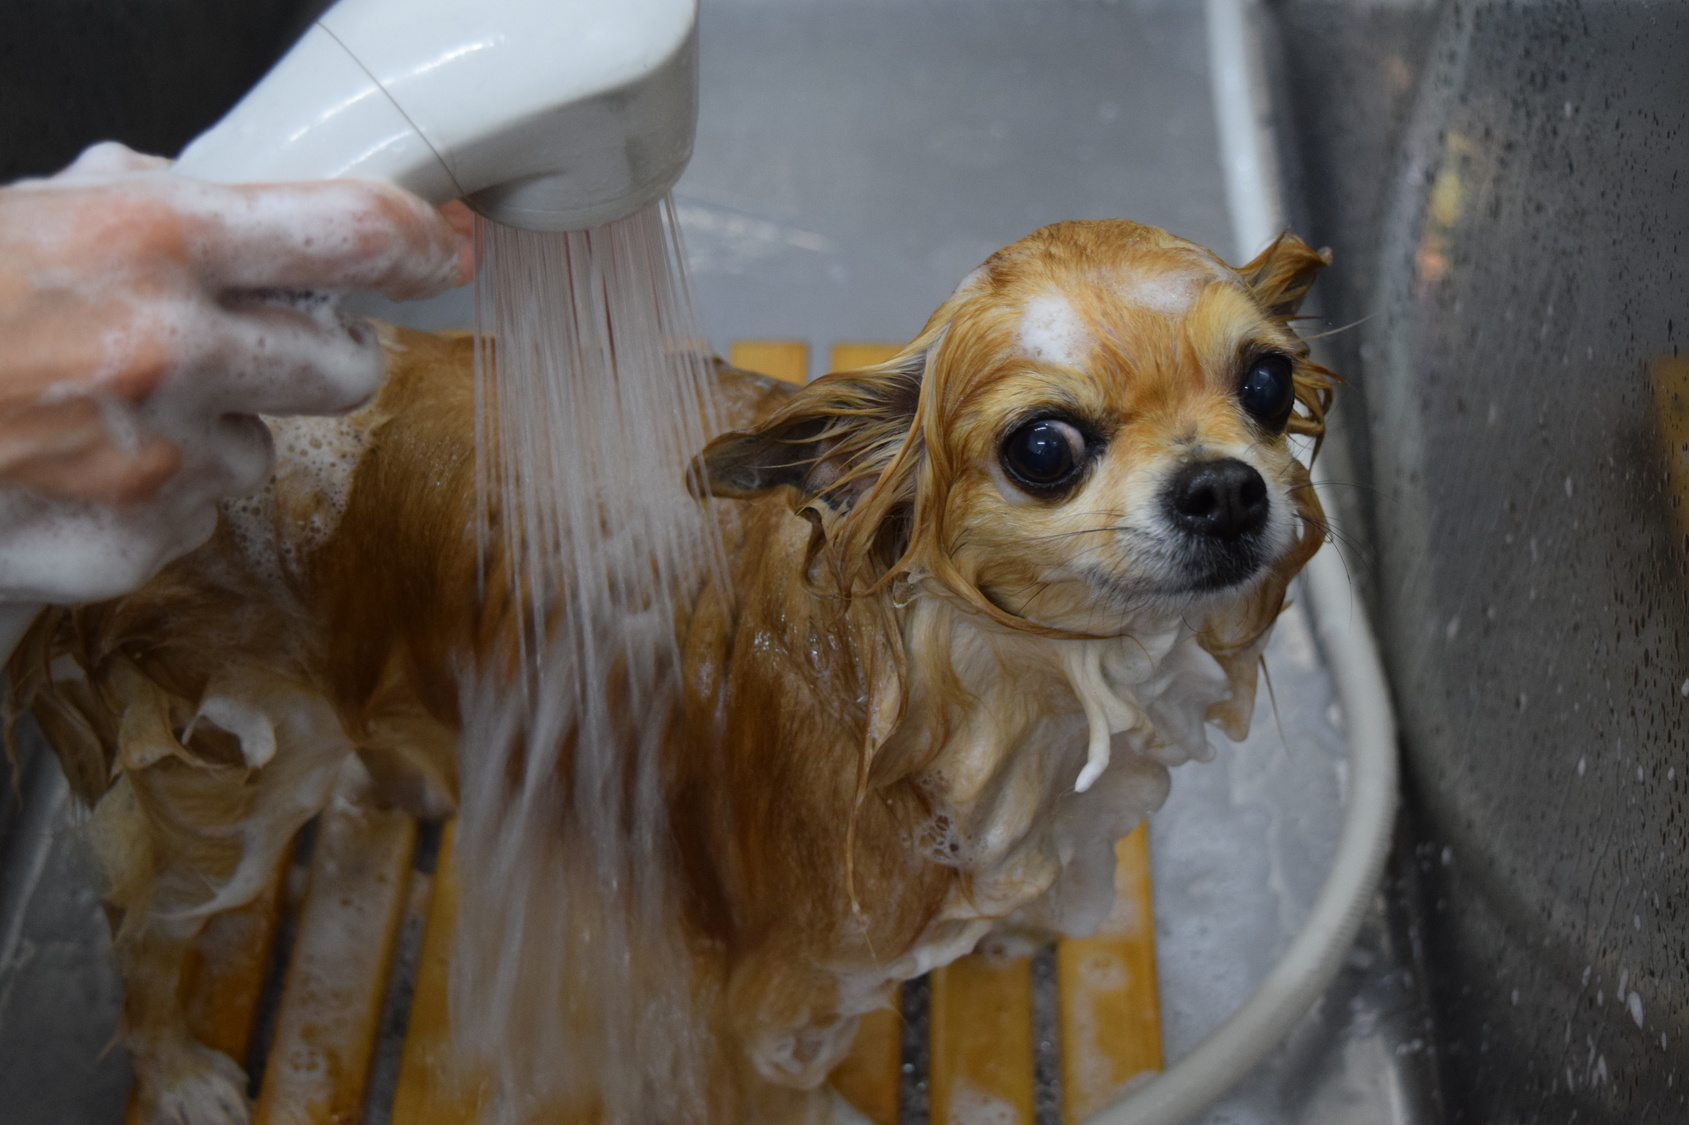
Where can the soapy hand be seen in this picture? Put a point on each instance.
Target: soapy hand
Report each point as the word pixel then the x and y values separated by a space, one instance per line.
pixel 146 319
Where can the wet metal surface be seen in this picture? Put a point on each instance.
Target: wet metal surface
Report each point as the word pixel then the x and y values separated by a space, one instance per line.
pixel 856 159
pixel 59 992
pixel 1239 854
pixel 1521 252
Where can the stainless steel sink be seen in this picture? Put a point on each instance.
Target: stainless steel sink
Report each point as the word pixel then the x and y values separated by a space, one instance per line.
pixel 1506 189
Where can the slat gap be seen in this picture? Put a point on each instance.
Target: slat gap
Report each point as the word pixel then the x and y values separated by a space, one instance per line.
pixel 396 1004
pixel 914 1090
pixel 263 1033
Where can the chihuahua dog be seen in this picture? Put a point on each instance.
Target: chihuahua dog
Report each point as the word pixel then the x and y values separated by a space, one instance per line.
pixel 982 596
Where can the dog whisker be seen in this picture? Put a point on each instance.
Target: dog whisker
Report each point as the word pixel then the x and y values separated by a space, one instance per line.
pixel 1329 332
pixel 1116 528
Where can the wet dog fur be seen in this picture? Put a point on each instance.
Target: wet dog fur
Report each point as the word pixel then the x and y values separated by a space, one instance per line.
pixel 982 596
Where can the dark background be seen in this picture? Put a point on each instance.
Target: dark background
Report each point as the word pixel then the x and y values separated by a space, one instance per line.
pixel 150 73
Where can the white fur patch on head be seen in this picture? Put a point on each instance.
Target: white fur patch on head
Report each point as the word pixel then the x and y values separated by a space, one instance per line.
pixel 1051 332
pixel 1169 295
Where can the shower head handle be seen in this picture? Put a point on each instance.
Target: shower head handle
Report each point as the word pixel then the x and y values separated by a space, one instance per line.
pixel 542 114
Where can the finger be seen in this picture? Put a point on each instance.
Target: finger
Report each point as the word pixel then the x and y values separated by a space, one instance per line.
pixel 462 220
pixel 54 429
pixel 284 354
pixel 459 217
pixel 107 475
pixel 68 450
pixel 52 345
pixel 110 158
pixel 65 343
pixel 336 234
pixel 232 455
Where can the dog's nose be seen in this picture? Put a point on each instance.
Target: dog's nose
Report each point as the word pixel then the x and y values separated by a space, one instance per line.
pixel 1223 499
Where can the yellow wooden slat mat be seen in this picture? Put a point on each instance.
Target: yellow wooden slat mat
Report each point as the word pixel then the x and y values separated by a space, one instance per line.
pixel 786 360
pixel 980 1018
pixel 981 1021
pixel 1109 1009
pixel 431 1091
pixel 1108 1016
pixel 849 356
pixel 868 1077
pixel 223 977
pixel 330 1009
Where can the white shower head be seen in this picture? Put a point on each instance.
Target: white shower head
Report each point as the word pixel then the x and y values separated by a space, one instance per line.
pixel 542 114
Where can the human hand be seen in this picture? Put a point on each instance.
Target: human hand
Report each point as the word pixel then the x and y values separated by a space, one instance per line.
pixel 146 319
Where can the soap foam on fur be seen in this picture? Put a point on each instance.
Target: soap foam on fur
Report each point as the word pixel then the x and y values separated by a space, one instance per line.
pixel 1052 332
pixel 202 332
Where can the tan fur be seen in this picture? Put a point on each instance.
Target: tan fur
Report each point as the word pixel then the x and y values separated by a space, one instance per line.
pixel 891 674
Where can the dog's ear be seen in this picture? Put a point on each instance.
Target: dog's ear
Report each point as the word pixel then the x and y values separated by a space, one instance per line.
pixel 830 443
pixel 1281 275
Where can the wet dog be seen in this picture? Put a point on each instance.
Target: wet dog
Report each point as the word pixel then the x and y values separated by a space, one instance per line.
pixel 981 597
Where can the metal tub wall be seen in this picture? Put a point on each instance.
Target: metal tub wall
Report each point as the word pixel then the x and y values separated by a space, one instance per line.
pixel 1506 188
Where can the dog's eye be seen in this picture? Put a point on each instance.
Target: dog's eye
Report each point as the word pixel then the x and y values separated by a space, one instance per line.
pixel 1044 454
pixel 1269 390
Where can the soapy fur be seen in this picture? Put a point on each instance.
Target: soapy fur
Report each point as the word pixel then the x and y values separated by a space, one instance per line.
pixel 149 318
pixel 921 712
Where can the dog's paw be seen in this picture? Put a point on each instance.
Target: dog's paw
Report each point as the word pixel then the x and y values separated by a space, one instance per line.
pixel 190 1084
pixel 802 1057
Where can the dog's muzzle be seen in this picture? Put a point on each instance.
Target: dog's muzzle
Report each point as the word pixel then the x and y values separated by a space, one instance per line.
pixel 1220 509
